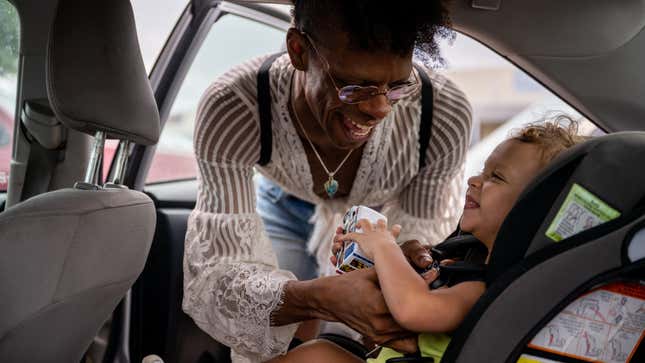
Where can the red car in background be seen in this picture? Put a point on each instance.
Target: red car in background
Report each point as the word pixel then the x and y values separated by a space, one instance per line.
pixel 6 138
pixel 166 165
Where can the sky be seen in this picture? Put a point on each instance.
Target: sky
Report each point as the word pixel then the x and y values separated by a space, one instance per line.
pixel 152 28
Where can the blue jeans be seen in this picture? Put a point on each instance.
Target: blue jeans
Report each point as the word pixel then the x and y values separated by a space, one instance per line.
pixel 286 220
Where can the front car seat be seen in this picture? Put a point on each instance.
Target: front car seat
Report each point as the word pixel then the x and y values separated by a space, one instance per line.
pixel 578 231
pixel 69 256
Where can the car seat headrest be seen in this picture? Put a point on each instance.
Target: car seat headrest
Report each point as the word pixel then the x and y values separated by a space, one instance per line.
pixel 593 182
pixel 96 80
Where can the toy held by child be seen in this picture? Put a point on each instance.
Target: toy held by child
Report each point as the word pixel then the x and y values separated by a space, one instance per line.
pixel 350 257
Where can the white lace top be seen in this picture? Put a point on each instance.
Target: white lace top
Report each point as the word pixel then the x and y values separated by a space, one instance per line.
pixel 231 279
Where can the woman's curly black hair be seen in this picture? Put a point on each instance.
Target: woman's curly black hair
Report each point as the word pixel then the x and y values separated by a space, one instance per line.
pixel 392 26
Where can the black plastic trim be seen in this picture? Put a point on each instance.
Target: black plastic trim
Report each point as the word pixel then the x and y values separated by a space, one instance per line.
pixel 624 249
pixel 166 204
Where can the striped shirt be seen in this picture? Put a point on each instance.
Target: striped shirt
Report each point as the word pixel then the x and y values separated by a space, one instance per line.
pixel 231 279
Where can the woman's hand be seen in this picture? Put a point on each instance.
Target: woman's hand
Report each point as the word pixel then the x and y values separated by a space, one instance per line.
pixel 417 254
pixel 337 245
pixel 373 236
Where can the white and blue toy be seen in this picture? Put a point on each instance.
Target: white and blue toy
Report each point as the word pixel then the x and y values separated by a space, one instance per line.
pixel 350 257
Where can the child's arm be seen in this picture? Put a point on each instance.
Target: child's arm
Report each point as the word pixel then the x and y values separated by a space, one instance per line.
pixel 411 303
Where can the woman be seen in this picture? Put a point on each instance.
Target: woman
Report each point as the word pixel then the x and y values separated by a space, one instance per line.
pixel 345 120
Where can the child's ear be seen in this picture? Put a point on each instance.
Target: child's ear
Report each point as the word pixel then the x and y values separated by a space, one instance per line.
pixel 297 49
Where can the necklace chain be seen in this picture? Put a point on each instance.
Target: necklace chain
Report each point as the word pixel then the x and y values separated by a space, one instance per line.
pixel 295 113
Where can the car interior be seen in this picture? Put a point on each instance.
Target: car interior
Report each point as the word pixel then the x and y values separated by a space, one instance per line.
pixel 91 260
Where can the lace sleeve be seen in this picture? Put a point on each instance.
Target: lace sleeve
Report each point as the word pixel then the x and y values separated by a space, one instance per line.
pixel 428 209
pixel 231 280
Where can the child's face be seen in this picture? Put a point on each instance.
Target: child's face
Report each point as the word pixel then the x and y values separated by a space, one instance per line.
pixel 490 196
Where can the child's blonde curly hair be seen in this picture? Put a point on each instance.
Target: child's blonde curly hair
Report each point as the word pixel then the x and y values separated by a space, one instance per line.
pixel 551 136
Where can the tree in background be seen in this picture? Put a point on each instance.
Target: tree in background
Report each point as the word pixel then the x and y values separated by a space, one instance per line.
pixel 9 39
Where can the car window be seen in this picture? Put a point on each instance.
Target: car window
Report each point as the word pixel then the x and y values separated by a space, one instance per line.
pixel 152 29
pixel 9 48
pixel 174 158
pixel 502 96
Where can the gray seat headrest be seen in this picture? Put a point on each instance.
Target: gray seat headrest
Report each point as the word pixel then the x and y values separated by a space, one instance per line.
pixel 96 80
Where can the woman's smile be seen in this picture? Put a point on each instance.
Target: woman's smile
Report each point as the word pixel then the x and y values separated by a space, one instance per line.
pixel 355 131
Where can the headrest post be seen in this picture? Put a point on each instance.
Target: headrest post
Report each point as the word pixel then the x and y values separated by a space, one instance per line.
pixel 121 161
pixel 95 158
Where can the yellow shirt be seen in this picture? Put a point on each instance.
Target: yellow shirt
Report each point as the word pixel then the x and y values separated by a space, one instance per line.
pixel 430 345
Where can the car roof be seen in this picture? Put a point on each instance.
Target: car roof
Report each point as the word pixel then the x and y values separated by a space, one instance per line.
pixel 589 53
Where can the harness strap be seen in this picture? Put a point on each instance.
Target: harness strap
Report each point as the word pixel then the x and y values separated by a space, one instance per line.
pixel 470 265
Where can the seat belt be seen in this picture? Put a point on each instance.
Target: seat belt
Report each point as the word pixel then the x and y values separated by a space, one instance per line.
pixel 46 137
pixel 264 108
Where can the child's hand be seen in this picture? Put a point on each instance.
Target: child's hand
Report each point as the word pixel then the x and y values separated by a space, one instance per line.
pixel 373 237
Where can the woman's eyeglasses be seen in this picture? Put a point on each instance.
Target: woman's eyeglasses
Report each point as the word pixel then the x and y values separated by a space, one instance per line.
pixel 353 94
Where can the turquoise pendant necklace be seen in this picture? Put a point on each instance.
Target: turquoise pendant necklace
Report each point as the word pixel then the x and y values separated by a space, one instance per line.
pixel 331 185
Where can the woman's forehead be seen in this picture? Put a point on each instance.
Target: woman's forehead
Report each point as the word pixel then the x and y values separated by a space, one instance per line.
pixel 368 66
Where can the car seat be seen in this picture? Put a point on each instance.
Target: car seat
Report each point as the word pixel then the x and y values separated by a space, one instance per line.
pixel 577 232
pixel 69 256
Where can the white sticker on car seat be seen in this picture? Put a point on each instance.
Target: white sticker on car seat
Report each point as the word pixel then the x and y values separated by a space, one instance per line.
pixel 606 325
pixel 580 211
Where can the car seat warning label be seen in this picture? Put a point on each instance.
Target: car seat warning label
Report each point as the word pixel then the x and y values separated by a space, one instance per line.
pixel 580 211
pixel 606 325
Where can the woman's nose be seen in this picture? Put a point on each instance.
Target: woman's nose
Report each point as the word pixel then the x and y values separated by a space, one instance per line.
pixel 377 107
